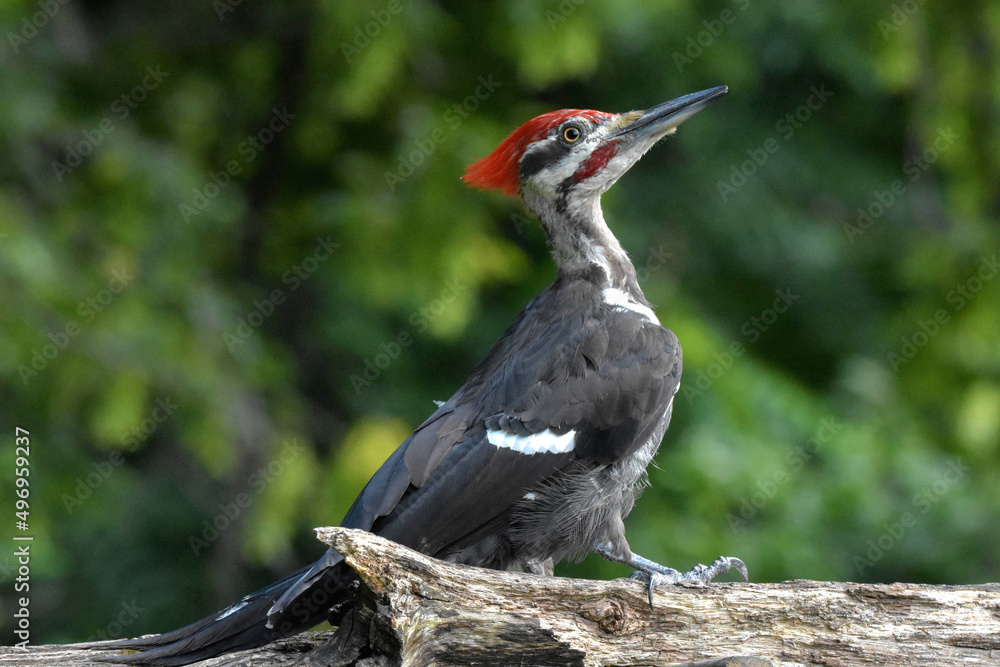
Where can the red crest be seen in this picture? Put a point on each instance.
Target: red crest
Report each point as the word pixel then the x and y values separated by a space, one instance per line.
pixel 498 170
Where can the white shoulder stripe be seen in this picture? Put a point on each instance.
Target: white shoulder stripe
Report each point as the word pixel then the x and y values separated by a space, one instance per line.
pixel 623 300
pixel 545 442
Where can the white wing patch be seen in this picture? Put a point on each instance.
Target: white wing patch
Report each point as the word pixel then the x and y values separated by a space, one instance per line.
pixel 544 442
pixel 624 301
pixel 232 610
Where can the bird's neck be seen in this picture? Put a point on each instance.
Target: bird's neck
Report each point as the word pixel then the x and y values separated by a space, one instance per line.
pixel 582 242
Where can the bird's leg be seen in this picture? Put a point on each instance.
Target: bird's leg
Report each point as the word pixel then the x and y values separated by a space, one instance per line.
pixel 543 567
pixel 661 574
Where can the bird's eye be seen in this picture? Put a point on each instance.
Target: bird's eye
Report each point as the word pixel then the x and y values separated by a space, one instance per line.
pixel 571 134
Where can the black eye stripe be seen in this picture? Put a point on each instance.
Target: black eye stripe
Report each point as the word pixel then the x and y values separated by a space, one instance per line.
pixel 541 156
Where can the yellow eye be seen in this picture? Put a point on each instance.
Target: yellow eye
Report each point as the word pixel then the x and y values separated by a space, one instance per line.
pixel 572 134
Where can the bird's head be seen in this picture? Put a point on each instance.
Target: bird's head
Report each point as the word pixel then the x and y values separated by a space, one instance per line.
pixel 562 162
pixel 579 152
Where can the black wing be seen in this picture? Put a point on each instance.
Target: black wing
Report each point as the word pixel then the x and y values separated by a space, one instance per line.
pixel 608 376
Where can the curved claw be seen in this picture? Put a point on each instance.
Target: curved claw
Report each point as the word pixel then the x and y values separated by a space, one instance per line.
pixel 654 580
pixel 739 566
pixel 722 564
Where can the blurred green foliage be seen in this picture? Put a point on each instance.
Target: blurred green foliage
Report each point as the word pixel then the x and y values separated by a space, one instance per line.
pixel 237 264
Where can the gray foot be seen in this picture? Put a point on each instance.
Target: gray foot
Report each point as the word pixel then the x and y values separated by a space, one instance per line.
pixel 660 574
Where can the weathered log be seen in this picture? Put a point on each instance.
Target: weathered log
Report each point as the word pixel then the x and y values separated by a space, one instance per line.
pixel 416 610
pixel 438 609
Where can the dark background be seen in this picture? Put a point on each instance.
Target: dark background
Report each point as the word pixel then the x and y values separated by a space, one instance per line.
pixel 823 241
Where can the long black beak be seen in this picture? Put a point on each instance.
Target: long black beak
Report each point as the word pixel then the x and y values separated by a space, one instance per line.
pixel 664 117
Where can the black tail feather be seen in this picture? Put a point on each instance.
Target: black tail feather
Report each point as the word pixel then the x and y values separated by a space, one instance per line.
pixel 193 628
pixel 243 625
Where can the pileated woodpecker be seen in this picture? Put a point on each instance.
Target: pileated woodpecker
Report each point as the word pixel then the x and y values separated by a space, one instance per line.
pixel 539 455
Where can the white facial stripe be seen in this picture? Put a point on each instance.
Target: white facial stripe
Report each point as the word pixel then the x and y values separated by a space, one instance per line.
pixel 545 442
pixel 623 300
